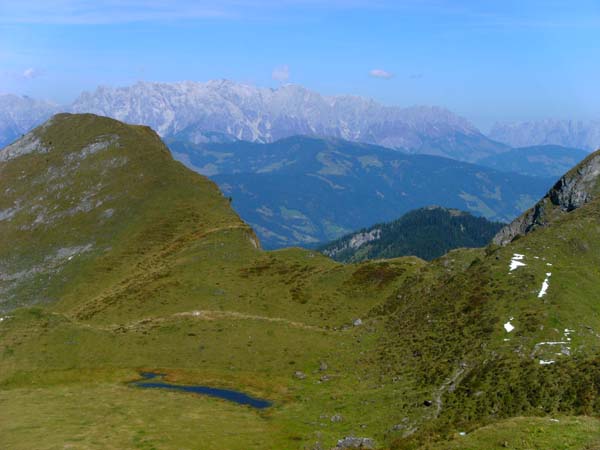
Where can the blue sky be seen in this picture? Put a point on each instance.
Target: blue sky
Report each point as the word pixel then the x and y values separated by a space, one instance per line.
pixel 486 60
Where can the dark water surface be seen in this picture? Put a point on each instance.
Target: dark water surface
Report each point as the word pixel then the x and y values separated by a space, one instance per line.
pixel 233 396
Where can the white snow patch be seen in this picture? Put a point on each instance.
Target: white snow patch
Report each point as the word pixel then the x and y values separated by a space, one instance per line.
pixel 546 362
pixel 545 285
pixel 515 262
pixel 509 326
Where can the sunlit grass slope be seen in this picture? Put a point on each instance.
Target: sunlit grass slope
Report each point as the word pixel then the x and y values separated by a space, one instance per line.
pixel 128 262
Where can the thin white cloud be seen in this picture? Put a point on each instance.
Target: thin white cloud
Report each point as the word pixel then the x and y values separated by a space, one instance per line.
pixel 31 73
pixel 281 73
pixel 380 73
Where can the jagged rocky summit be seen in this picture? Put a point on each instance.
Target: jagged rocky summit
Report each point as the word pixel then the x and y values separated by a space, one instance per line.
pixel 574 189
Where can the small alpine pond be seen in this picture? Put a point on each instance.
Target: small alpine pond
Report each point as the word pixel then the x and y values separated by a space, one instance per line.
pixel 153 380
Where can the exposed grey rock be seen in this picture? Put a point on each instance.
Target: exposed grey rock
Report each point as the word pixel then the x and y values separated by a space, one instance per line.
pixel 357 241
pixel 299 375
pixel 356 443
pixel 323 366
pixel 102 143
pixel 576 188
pixel 337 418
pixel 28 144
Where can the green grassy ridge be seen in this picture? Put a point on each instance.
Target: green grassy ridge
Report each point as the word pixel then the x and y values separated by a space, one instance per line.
pixel 427 233
pixel 154 202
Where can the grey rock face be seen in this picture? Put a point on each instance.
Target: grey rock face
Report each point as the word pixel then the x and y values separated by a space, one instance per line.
pixel 28 144
pixel 299 375
pixel 576 188
pixel 356 443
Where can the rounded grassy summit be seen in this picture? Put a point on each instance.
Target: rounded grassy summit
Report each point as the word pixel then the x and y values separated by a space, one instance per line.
pixel 116 260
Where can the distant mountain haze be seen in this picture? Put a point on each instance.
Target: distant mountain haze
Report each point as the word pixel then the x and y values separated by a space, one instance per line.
pixel 538 160
pixel 265 115
pixel 305 191
pixel 18 115
pixel 567 133
pixel 226 110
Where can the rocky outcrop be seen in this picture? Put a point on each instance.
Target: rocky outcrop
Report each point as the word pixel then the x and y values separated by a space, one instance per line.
pixel 355 442
pixel 576 188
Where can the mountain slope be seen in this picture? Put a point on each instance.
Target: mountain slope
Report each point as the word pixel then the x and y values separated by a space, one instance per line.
pixel 528 318
pixel 566 133
pixel 540 160
pixel 427 233
pixel 303 191
pixel 267 115
pixel 573 190
pixel 60 224
pixel 176 285
pixel 137 263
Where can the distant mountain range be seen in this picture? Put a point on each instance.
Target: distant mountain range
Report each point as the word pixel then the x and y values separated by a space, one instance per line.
pixel 266 115
pixel 222 110
pixel 305 191
pixel 19 114
pixel 567 133
pixel 427 233
pixel 232 110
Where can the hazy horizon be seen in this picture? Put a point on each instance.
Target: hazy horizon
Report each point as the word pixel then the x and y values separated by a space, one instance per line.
pixel 487 63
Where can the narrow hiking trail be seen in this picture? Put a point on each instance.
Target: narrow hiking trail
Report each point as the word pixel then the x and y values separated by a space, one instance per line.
pixel 197 314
